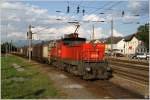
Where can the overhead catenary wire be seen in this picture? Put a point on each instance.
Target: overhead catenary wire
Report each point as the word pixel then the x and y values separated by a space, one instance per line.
pixel 106 4
pixel 91 12
pixel 102 7
pixel 108 8
pixel 116 3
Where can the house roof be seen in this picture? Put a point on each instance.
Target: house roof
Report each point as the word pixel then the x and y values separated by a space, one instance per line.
pixel 129 37
pixel 115 40
pixel 93 41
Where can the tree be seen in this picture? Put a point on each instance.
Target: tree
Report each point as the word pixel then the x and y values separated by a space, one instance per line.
pixel 143 34
pixel 5 47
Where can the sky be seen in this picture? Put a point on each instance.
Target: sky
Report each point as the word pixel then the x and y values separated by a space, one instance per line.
pixel 43 15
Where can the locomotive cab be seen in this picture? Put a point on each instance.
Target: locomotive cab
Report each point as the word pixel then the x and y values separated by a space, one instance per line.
pixel 73 39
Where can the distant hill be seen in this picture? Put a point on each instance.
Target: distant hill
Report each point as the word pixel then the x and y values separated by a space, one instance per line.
pixel 21 43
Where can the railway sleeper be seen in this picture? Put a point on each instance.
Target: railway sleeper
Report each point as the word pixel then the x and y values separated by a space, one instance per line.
pixel 129 61
pixel 131 74
pixel 130 70
pixel 131 66
pixel 132 77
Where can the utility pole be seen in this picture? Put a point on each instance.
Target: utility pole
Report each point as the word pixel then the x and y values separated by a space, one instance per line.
pixel 112 35
pixel 11 47
pixel 29 36
pixel 93 37
pixel 6 44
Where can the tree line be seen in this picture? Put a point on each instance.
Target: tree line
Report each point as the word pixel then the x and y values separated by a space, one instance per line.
pixel 143 34
pixel 8 47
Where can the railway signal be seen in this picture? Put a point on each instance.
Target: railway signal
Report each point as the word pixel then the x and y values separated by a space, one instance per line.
pixel 29 36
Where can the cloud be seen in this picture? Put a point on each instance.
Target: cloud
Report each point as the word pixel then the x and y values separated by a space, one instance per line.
pixel 14 18
pixel 92 17
pixel 55 33
pixel 15 35
pixel 46 33
pixel 129 18
pixel 98 32
pixel 138 7
pixel 116 33
pixel 7 5
pixel 17 16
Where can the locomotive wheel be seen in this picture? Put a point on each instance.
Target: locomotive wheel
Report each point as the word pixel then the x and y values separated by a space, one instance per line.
pixel 68 68
pixel 102 74
pixel 88 74
pixel 85 75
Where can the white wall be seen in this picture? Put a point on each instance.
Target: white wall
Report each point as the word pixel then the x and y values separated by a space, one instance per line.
pixel 120 46
pixel 130 46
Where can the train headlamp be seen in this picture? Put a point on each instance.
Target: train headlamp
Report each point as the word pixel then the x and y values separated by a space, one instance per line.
pixel 88 69
pixel 108 68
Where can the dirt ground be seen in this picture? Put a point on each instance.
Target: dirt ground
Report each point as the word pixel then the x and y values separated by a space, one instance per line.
pixel 72 87
pixel 68 87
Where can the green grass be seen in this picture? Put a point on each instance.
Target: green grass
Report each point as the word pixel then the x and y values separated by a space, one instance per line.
pixel 35 85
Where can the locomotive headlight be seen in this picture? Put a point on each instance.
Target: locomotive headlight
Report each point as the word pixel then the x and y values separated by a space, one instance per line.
pixel 108 68
pixel 88 69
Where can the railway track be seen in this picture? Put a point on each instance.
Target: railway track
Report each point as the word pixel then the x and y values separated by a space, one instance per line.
pixel 132 61
pixel 138 72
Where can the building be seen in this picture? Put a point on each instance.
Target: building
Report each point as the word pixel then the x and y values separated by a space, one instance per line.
pixel 115 45
pixel 127 45
pixel 133 45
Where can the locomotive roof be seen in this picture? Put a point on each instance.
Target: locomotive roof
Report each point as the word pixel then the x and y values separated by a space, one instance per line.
pixel 74 39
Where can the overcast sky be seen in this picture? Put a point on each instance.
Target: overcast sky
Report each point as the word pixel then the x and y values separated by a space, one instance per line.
pixel 16 16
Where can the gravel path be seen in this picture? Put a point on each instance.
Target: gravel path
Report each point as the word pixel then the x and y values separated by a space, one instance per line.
pixel 69 88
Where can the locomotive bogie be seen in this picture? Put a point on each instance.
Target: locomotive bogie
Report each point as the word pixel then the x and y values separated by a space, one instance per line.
pixel 86 70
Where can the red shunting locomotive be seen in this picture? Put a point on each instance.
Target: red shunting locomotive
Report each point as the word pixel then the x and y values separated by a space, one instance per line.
pixel 74 55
